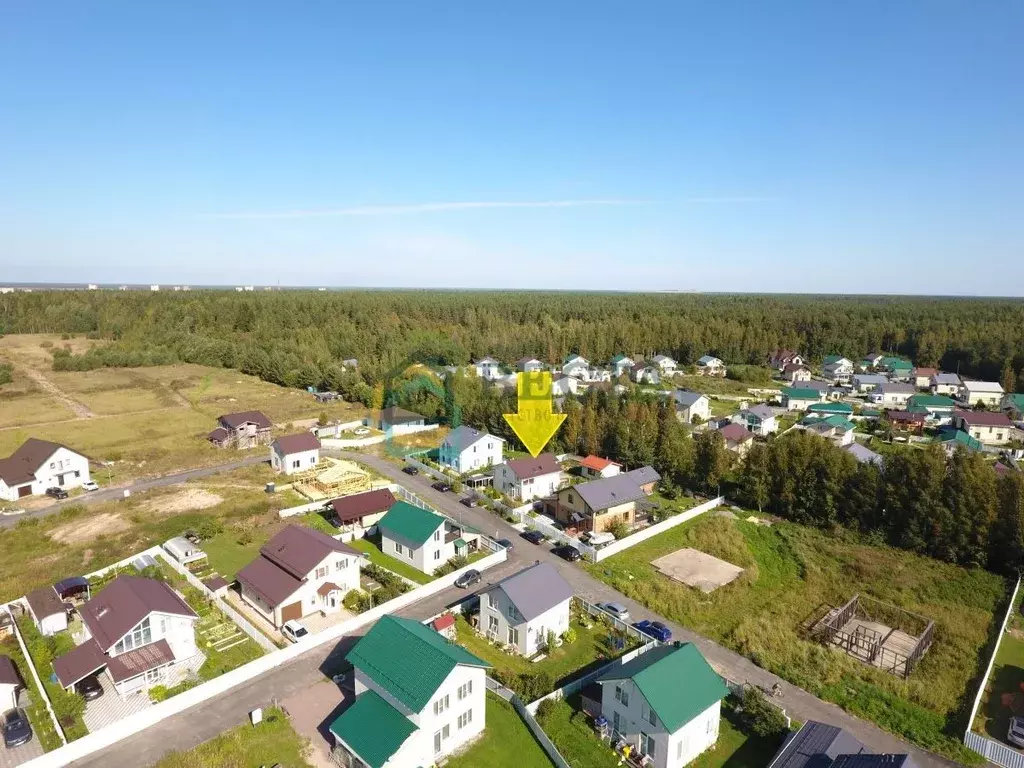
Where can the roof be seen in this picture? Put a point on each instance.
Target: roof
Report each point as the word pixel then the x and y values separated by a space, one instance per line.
pixel 298 549
pixel 862 454
pixel 349 508
pixel 840 408
pixel 793 367
pixel 396 415
pixel 213 583
pixel 983 418
pixel 959 437
pixel 125 602
pixel 946 378
pixel 609 491
pixel 621 358
pixel 462 437
pixel 596 463
pixel 535 590
pixel 644 475
pixel 326 588
pixel 1016 401
pixel 79 662
pixel 736 433
pixel 544 464
pixel 45 602
pixel 304 441
pixel 181 547
pixel 897 388
pixel 761 411
pixel 833 359
pixel 133 663
pixel 676 680
pixel 895 362
pixel 983 386
pixel 817 386
pixel 410 523
pixel 800 393
pixel 906 417
pixel 925 371
pixel 8 672
pixel 218 435
pixel 443 622
pixel 686 398
pixel 932 401
pixel 870 378
pixel 816 745
pixel 235 420
pixel 273 585
pixel 20 467
pixel 708 359
pixel 408 659
pixel 373 729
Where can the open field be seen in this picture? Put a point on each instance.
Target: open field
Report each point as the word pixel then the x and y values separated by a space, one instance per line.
pixel 505 743
pixel 792 574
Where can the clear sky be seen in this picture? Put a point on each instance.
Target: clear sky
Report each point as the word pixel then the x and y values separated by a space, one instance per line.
pixel 811 146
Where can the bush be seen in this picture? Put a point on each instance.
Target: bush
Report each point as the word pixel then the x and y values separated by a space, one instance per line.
pixel 358 601
pixel 209 527
pixel 619 529
pixel 160 693
pixel 545 708
pixel 453 564
pixel 759 715
pixel 244 539
pixel 6 373
pixel 569 636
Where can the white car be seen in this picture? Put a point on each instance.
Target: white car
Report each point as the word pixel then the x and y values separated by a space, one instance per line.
pixel 1016 733
pixel 294 631
pixel 360 431
pixel 89 485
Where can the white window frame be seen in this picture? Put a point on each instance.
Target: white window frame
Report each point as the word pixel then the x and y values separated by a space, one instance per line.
pixel 465 719
pixel 441 705
pixel 465 690
pixel 398 548
pixel 622 695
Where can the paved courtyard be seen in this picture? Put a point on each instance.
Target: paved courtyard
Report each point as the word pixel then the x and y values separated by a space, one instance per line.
pixel 12 757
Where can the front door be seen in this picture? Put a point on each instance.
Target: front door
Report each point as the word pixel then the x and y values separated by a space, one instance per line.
pixel 332 600
pixel 60 479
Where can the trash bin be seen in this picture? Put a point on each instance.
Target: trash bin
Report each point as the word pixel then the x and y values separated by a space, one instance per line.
pixel 271 487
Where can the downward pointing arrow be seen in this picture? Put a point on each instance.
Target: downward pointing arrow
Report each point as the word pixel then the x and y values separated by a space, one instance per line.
pixel 535 423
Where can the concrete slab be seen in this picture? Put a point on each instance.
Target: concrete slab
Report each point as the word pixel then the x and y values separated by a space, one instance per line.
pixel 697 569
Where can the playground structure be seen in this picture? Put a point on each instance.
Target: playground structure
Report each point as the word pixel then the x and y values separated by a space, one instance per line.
pixel 332 478
pixel 877 633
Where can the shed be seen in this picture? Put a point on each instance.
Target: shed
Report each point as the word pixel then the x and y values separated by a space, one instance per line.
pixel 10 682
pixel 183 550
pixel 48 611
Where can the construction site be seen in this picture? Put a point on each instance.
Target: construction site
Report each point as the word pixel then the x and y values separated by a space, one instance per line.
pixel 332 478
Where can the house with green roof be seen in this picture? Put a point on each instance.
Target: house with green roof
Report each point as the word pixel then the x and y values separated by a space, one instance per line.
pixel 418 698
pixel 1013 404
pixel 665 703
pixel 897 368
pixel 622 364
pixel 831 409
pixel 951 439
pixel 834 427
pixel 938 408
pixel 798 399
pixel 423 538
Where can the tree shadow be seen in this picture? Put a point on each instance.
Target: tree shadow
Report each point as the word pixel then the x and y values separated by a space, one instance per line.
pixel 1006 693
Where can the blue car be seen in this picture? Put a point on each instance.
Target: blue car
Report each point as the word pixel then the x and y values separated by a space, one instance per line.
pixel 654 629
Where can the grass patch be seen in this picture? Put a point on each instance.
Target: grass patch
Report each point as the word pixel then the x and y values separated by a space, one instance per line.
pixel 388 562
pixel 792 574
pixel 230 551
pixel 573 735
pixel 68 706
pixel 272 742
pixel 1007 679
pixel 505 743
pixel 42 723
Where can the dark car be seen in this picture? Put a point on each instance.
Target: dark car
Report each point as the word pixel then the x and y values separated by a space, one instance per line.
pixel 89 688
pixel 441 486
pixel 56 493
pixel 567 552
pixel 534 537
pixel 468 579
pixel 655 629
pixel 506 543
pixel 17 731
pixel 468 501
pixel 409 469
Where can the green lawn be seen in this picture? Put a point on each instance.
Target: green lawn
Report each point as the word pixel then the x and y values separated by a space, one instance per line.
pixel 42 723
pixel 736 748
pixel 272 742
pixel 1007 678
pixel 792 573
pixel 505 743
pixel 387 561
pixel 228 556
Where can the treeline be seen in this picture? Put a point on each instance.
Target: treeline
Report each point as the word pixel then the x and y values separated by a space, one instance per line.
pixel 298 338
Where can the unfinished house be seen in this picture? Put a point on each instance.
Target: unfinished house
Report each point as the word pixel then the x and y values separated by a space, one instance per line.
pixel 247 429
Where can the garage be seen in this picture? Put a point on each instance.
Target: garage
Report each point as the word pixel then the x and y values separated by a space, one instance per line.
pixel 291 611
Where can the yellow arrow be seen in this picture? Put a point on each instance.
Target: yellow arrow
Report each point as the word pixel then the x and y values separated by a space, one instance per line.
pixel 536 423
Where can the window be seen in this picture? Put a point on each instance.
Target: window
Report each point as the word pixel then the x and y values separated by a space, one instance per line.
pixel 341 565
pixel 141 635
pixel 153 675
pixel 295 464
pixel 492 624
pixel 163 626
pixel 437 554
pixel 651 717
pixel 513 636
pixel 398 548
pixel 616 722
pixel 465 689
pixel 465 718
pixel 53 465
pixel 621 696
pixel 571 499
pixel 646 744
pixel 437 535
pixel 441 705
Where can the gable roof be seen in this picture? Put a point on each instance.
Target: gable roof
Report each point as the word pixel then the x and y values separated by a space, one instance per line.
pixel 932 401
pixel 45 602
pixel 609 491
pixel 907 417
pixel 794 367
pixel 81 661
pixel 817 386
pixel 621 359
pixel 897 388
pixel 686 398
pixel 644 475
pixel 235 420
pixel 125 602
pixel 676 680
pixel 761 411
pixel 834 359
pixel 596 463
pixel 929 372
pixel 983 418
pixel 800 393
pixel 708 360
pixel 839 408
pixel 737 433
pixel 396 415
pixel 304 441
pixel 462 437
pixel 21 466
pixel 410 523
pixel 863 454
pixel 408 659
pixel 983 386
pixel 373 729
pixel 816 745
pixel 946 378
pixel 8 673
pixel 544 464
pixel 959 437
pixel 297 549
pixel 870 378
pixel 535 590
pixel 486 361
pixel 895 363
pixel 353 507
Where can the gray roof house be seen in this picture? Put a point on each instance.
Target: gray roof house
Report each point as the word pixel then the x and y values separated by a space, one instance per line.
pixel 645 477
pixel 609 491
pixel 864 455
pixel 522 609
pixel 466 449
pixel 818 745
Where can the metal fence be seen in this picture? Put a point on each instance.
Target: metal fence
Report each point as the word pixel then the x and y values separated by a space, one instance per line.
pixel 531 722
pixel 993 751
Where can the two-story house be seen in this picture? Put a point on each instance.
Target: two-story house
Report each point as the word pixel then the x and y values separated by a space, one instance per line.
pixel 522 609
pixel 737 437
pixel 838 369
pixel 665 703
pixel 576 366
pixel 38 465
pixel 835 428
pixel 528 479
pixel 298 572
pixel 423 538
pixel 947 384
pixel 597 505
pixel 799 398
pixel 691 406
pixel 780 358
pixel 666 365
pixel 709 365
pixel 487 368
pixel 622 364
pixel 939 409
pixel 794 373
pixel 990 428
pixel 247 429
pixel 137 630
pixel 759 419
pixel 897 368
pixel 894 394
pixel 419 698
pixel 645 373
pixel 595 467
pixel 529 365
pixel 292 454
pixel 922 377
pixel 986 393
pixel 465 449
pixel 562 385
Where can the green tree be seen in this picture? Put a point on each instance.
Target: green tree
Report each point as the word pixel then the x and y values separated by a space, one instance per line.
pixel 756 480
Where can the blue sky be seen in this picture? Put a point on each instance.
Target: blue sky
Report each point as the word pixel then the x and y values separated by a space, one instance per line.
pixel 788 146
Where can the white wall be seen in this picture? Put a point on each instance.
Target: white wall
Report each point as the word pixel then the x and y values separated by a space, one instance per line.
pixel 294 462
pixel 346 577
pixel 58 470
pixel 654 530
pixel 506 481
pixel 421 557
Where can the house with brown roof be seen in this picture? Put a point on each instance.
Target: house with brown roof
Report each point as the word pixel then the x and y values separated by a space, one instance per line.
pixel 49 612
pixel 990 428
pixel 362 509
pixel 794 372
pixel 528 479
pixel 595 467
pixel 780 358
pixel 38 465
pixel 243 430
pixel 298 572
pixel 137 631
pixel 399 421
pixel 922 377
pixel 295 453
pixel 738 438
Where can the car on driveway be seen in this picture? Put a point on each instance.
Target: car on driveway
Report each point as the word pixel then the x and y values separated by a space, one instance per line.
pixel 618 610
pixel 90 485
pixel 294 631
pixel 56 493
pixel 567 552
pixel 468 579
pixel 409 469
pixel 441 486
pixel 506 543
pixel 534 537
pixel 1016 733
pixel 89 688
pixel 17 731
pixel 654 629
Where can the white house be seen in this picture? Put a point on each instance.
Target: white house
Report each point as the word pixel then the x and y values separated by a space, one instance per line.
pixel 576 366
pixel 947 384
pixel 10 684
pixel 38 465
pixel 298 572
pixel 646 374
pixel 562 385
pixel 794 373
pixel 48 610
pixel 988 393
pixel 759 419
pixel 665 364
pixel 529 365
pixel 295 453
pixel 595 467
pixel 419 698
pixel 838 369
pixel 528 479
pixel 622 364
pixel 922 377
pixel 798 399
pixel 894 394
pixel 423 538
pixel 487 368
pixel 465 449
pixel 522 609
pixel 987 427
pixel 865 383
pixel 136 629
pixel 691 404
pixel 708 365
pixel 665 703
pixel 780 358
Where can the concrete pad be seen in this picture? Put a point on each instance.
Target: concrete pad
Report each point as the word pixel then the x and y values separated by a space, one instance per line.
pixel 697 569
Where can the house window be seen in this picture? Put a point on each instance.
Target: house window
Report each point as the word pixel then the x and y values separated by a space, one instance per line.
pixel 513 636
pixel 153 675
pixel 163 627
pixel 465 718
pixel 398 548
pixel 621 696
pixel 437 535
pixel 321 572
pixel 651 717
pixel 295 464
pixel 441 705
pixel 53 465
pixel 492 624
pixel 616 722
pixel 679 750
pixel 571 499
pixel 141 635
pixel 465 689
pixel 341 565
pixel 646 744
pixel 437 554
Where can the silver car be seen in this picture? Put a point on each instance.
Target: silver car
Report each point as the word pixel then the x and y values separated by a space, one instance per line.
pixel 1016 732
pixel 618 610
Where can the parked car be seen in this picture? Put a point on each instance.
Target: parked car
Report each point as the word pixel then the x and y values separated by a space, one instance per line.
pixel 567 552
pixel 534 537
pixel 1016 733
pixel 56 493
pixel 89 688
pixel 468 579
pixel 17 731
pixel 360 431
pixel 655 629
pixel 90 485
pixel 409 469
pixel 506 543
pixel 441 486
pixel 468 501
pixel 294 631
pixel 618 610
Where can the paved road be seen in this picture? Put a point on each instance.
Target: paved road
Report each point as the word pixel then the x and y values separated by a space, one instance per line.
pixel 192 727
pixel 117 492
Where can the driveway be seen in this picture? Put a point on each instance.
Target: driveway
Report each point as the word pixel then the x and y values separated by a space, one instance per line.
pixel 311 712
pixel 12 757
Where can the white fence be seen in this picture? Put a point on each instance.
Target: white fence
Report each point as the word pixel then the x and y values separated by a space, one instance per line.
pixel 149 716
pixel 31 663
pixel 303 508
pixel 409 429
pixel 356 442
pixel 654 530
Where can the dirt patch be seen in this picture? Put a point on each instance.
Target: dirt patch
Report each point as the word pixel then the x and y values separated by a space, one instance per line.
pixel 183 501
pixel 88 528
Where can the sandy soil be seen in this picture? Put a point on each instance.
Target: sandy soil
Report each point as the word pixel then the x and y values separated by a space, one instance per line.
pixel 78 531
pixel 183 501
